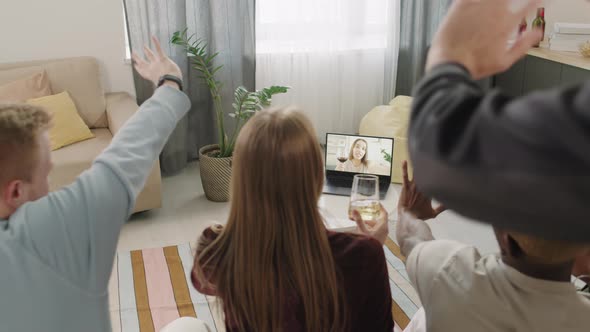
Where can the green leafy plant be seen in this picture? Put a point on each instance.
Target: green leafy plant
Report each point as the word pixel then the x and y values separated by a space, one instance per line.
pixel 386 155
pixel 246 103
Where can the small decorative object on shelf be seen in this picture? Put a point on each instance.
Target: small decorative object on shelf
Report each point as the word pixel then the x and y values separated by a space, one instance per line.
pixel 522 26
pixel 539 23
pixel 585 49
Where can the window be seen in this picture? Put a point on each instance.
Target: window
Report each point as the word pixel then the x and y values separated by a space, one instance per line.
pixel 127 45
pixel 285 26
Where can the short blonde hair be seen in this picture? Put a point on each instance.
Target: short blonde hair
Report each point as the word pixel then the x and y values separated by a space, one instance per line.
pixel 549 251
pixel 20 126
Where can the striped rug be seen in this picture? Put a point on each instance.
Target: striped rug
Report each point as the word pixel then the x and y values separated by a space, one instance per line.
pixel 405 299
pixel 151 287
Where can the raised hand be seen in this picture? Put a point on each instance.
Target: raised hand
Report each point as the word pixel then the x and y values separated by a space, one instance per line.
pixel 413 201
pixel 155 65
pixel 476 33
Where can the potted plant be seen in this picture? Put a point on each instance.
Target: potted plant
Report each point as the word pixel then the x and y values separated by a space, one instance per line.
pixel 215 160
pixel 386 156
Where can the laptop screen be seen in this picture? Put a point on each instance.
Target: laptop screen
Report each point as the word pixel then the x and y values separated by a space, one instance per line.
pixel 359 154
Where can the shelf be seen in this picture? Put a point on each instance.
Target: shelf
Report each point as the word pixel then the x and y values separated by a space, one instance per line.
pixel 567 58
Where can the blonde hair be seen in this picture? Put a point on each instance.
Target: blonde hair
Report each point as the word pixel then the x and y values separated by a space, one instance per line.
pixel 548 251
pixel 274 249
pixel 20 126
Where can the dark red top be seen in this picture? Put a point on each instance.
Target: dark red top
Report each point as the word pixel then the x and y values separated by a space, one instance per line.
pixel 360 261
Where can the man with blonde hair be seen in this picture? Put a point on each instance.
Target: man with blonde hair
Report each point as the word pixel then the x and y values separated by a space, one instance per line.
pixel 24 154
pixel 57 249
pixel 527 287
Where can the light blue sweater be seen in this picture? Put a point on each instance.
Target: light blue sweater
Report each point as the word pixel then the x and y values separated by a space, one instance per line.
pixel 56 254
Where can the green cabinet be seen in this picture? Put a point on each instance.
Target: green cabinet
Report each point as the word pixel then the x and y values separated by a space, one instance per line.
pixel 574 75
pixel 533 73
pixel 512 80
pixel 540 74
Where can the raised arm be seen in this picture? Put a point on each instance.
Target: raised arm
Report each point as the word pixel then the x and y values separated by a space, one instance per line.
pixel 517 163
pixel 75 230
pixel 413 208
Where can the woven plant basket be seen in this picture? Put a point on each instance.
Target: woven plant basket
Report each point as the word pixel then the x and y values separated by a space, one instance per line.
pixel 215 174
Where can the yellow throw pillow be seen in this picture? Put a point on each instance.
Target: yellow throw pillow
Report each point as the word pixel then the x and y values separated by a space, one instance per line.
pixel 67 126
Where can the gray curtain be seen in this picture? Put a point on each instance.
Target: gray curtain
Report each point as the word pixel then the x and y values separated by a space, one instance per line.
pixel 419 21
pixel 228 26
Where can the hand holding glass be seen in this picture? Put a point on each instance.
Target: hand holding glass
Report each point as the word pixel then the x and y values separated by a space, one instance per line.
pixel 364 197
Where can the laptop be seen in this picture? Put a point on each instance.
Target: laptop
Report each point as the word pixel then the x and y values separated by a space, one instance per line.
pixel 348 155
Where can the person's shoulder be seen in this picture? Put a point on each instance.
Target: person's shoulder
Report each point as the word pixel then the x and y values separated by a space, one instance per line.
pixel 213 231
pixel 351 241
pixel 354 249
pixel 442 257
pixel 441 270
pixel 443 248
pixel 209 235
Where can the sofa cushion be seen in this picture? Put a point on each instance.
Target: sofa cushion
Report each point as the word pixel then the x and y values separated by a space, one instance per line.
pixel 391 121
pixel 79 76
pixel 34 86
pixel 70 161
pixel 67 126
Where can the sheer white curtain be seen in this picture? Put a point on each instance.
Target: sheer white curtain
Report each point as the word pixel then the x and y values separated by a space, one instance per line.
pixel 338 56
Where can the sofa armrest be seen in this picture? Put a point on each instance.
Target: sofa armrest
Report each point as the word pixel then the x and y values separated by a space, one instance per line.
pixel 120 107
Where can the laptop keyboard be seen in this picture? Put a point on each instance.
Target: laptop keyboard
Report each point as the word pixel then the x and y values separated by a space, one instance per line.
pixel 340 181
pixel 347 182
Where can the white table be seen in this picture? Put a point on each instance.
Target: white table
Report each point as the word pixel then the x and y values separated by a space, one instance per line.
pixel 448 225
pixel 335 209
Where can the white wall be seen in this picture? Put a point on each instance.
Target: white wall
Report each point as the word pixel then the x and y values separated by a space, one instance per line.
pixel 47 29
pixel 571 11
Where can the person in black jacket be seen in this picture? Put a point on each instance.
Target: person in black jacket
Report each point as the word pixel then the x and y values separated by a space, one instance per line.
pixel 521 164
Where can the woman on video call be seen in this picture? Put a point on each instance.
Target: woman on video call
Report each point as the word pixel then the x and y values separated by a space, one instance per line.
pixel 357 158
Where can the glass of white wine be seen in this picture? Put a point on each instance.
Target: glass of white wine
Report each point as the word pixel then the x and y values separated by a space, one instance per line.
pixel 364 197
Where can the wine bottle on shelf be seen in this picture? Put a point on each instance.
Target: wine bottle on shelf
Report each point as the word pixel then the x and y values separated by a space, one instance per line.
pixel 539 23
pixel 522 26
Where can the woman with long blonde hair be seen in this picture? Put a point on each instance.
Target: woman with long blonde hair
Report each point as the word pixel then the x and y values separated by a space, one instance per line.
pixel 274 266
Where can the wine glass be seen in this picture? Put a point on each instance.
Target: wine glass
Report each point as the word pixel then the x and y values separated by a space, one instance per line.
pixel 364 197
pixel 341 155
